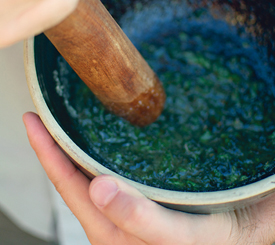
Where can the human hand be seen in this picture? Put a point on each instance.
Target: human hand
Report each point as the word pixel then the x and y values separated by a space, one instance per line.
pixel 20 19
pixel 112 212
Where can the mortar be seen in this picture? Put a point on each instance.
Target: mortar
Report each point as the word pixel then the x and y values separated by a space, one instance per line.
pixel 43 75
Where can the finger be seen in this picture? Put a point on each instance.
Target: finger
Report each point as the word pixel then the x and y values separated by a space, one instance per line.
pixel 70 183
pixel 63 174
pixel 57 166
pixel 33 18
pixel 152 223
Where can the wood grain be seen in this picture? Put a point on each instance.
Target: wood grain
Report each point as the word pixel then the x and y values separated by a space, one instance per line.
pixel 105 59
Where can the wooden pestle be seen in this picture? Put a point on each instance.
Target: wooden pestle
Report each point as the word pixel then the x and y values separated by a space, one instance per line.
pixel 105 59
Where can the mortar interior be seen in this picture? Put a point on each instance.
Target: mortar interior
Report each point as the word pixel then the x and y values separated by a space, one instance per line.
pixel 47 62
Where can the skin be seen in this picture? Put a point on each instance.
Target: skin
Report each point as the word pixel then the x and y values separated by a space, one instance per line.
pixel 20 19
pixel 112 212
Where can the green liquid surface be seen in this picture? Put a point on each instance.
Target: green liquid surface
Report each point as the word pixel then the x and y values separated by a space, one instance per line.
pixel 217 130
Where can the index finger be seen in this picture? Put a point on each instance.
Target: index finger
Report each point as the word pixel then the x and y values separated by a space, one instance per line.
pixel 72 185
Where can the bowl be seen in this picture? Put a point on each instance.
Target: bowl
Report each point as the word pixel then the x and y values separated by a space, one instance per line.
pixel 41 66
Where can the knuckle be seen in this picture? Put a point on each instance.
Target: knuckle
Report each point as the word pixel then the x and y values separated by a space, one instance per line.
pixel 134 214
pixel 61 184
pixel 68 5
pixel 58 184
pixel 5 40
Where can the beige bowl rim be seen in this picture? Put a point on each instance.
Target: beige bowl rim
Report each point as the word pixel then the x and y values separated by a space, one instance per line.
pixel 195 202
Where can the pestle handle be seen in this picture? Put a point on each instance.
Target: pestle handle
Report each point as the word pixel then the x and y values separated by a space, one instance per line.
pixel 101 54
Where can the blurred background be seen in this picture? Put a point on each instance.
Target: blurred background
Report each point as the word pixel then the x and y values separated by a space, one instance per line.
pixel 31 211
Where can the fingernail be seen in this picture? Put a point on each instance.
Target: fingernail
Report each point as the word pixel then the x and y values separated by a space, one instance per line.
pixel 103 192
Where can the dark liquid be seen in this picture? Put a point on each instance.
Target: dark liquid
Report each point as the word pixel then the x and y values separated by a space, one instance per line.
pixel 217 130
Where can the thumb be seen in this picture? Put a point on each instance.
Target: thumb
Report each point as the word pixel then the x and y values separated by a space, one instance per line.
pixel 128 209
pixel 136 215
